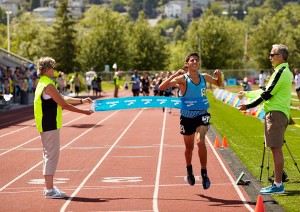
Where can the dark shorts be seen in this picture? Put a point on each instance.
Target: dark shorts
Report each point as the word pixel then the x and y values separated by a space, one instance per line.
pixel 276 123
pixel 168 94
pixel 145 90
pixel 135 91
pixel 298 89
pixel 188 126
pixel 161 93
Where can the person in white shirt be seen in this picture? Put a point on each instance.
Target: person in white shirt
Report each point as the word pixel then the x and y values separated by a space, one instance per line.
pixel 262 80
pixel 297 82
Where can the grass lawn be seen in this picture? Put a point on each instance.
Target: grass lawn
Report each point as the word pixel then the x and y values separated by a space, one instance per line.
pixel 245 136
pixel 109 85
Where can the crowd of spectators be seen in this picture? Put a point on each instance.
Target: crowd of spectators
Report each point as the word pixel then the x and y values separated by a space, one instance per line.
pixel 17 80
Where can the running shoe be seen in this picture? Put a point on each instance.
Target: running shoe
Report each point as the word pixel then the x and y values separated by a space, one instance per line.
pixel 272 189
pixel 54 193
pixel 190 175
pixel 205 182
pixel 205 179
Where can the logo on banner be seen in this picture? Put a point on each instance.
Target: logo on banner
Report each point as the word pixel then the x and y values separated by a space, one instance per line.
pixel 130 102
pixel 147 101
pixel 176 102
pixel 112 104
pixel 162 101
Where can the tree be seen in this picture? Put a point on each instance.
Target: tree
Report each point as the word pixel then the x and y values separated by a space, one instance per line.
pixel 149 7
pixel 103 39
pixel 35 4
pixel 134 7
pixel 29 37
pixel 118 5
pixel 281 27
pixel 3 36
pixel 146 46
pixel 218 40
pixel 178 34
pixel 63 48
pixel 3 16
pixel 177 54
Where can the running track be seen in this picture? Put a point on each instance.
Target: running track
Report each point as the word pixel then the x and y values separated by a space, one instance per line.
pixel 128 160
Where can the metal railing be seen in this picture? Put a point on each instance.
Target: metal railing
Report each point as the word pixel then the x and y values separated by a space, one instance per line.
pixel 12 60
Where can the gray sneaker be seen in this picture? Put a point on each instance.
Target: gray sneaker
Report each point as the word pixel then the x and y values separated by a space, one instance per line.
pixel 54 193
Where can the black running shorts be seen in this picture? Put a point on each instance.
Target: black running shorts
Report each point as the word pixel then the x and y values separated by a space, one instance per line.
pixel 188 126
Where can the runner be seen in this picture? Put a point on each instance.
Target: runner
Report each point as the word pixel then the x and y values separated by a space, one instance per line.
pixel 194 123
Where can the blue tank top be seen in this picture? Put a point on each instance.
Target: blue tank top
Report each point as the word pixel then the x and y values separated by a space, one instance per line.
pixel 135 85
pixel 194 91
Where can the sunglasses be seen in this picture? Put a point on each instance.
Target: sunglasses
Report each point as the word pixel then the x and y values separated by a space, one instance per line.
pixel 272 55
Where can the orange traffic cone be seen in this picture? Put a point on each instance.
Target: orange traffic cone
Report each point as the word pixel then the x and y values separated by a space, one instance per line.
pixel 224 143
pixel 259 204
pixel 217 143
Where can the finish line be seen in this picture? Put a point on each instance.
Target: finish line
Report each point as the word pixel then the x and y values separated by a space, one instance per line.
pixel 127 103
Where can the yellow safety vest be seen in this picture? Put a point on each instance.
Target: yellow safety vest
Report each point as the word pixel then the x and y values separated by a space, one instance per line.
pixel 47 113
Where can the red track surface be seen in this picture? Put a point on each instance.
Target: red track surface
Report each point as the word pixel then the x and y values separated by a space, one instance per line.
pixel 129 160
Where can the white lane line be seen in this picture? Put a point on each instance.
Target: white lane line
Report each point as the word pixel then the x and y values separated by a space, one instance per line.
pixel 229 176
pixel 63 208
pixel 3 153
pixel 155 194
pixel 29 170
pixel 14 131
pixel 23 128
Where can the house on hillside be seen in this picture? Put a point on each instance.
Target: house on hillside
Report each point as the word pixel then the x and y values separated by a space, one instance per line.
pixel 177 9
pixel 201 2
pixel 47 14
pixel 11 5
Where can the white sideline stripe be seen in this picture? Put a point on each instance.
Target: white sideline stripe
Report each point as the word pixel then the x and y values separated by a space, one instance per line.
pixel 3 153
pixel 23 128
pixel 156 187
pixel 26 172
pixel 63 208
pixel 229 176
pixel 11 132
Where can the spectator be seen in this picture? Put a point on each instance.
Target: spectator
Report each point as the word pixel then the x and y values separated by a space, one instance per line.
pixel 135 81
pixel 262 80
pixel 168 91
pixel 116 83
pixel 88 80
pixel 297 82
pixel 155 84
pixel 145 81
pixel 246 84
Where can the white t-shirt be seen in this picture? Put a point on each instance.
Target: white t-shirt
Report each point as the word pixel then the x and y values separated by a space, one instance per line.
pixel 262 79
pixel 46 96
pixel 297 80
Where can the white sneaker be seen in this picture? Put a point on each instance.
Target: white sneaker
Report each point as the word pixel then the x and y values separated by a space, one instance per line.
pixel 54 193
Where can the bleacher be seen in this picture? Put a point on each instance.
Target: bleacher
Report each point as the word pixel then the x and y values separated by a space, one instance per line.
pixel 11 60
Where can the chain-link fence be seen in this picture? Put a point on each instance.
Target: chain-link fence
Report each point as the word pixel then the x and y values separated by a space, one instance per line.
pixel 237 74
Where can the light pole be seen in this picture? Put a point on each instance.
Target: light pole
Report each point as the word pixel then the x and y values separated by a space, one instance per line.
pixel 8 13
